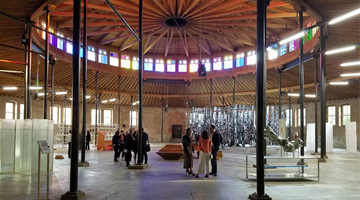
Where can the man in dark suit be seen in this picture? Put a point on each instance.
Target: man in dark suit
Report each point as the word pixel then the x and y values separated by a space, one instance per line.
pixel 88 139
pixel 145 140
pixel 215 148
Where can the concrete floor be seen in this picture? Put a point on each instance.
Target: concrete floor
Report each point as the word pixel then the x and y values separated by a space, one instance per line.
pixel 104 179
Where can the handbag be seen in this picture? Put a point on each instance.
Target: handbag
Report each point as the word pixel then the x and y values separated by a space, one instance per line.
pixel 147 148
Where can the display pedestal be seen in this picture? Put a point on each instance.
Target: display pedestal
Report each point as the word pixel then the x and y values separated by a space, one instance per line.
pixel 142 166
pixel 83 164
pixel 254 196
pixel 329 138
pixel 73 195
pixel 315 153
pixel 310 137
pixel 351 138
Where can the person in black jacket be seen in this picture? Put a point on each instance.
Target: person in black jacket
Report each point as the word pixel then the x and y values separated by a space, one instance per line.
pixel 128 146
pixel 215 148
pixel 88 139
pixel 116 145
pixel 145 141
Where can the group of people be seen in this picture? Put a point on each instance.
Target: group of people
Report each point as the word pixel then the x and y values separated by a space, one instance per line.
pixel 124 144
pixel 209 144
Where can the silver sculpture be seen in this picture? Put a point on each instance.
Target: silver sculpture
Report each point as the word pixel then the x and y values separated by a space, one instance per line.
pixel 289 146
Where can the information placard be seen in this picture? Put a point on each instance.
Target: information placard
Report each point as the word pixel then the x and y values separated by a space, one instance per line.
pixel 44 147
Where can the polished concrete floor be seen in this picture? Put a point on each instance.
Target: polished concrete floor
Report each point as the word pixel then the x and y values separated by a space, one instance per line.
pixel 104 179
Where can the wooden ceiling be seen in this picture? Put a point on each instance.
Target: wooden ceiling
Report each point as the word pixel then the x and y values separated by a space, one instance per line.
pixel 209 26
pixel 342 34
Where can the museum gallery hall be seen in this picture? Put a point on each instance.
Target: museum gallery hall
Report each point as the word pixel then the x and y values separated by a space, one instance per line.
pixel 180 99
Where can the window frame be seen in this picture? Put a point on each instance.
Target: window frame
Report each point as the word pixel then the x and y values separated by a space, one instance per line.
pixel 327 114
pixel 58 113
pixel 106 117
pixel 124 61
pixel 65 112
pixel 13 112
pixel 342 114
pixel 133 116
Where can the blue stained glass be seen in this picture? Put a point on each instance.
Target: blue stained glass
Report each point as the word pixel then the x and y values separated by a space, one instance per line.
pixel 283 49
pixel 240 62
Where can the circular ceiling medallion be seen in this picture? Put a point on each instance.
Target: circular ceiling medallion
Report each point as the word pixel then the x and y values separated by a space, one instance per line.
pixel 175 22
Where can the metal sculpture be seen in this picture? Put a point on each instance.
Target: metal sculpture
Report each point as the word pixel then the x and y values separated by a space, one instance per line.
pixel 289 146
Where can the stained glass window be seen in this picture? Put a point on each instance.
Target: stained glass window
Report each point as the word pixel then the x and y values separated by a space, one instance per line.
pixel 228 62
pixel 207 64
pixel 217 64
pixel 102 57
pixel 148 64
pixel 240 60
pixel 182 66
pixel 135 63
pixel 114 59
pixel 194 65
pixel 125 61
pixel 91 53
pixel 171 66
pixel 251 58
pixel 159 65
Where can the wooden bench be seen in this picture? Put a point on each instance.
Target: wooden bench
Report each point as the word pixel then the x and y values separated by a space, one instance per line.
pixel 197 149
pixel 171 152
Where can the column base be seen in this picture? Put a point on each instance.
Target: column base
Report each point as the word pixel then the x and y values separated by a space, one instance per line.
pixel 315 153
pixel 254 196
pixel 73 195
pixel 83 164
pixel 322 159
pixel 142 166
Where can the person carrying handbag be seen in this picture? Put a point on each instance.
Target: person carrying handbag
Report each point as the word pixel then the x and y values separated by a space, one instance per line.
pixel 116 145
pixel 205 144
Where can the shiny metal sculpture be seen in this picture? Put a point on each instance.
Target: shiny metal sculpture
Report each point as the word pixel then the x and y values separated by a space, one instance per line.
pixel 289 146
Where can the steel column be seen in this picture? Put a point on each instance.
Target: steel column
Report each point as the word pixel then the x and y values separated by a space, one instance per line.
pixel 260 99
pixel 280 72
pixel 211 99
pixel 141 61
pixel 233 108
pixel 301 73
pixel 118 111
pixel 162 119
pixel 316 103
pixel 323 93
pixel 52 90
pixel 131 108
pixel 187 105
pixel 99 107
pixel 75 105
pixel 46 67
pixel 27 103
pixel 84 76
pixel 96 106
pixel 289 113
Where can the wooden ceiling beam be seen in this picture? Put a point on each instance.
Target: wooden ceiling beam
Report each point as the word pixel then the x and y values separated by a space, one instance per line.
pixel 172 7
pixel 228 37
pixel 134 6
pixel 192 5
pixel 161 6
pixel 308 9
pixel 40 11
pixel 156 40
pixel 119 9
pixel 225 46
pixel 168 42
pixel 268 16
pixel 125 36
pixel 118 30
pixel 203 6
pixel 230 5
pixel 198 42
pixel 186 49
pixel 180 7
pixel 144 38
pixel 269 25
pixel 240 10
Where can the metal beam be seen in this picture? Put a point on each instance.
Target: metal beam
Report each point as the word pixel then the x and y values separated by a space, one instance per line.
pixel 301 73
pixel 119 107
pixel 316 103
pixel 27 104
pixel 260 99
pixel 46 67
pixel 141 61
pixel 74 193
pixel 84 76
pixel 295 62
pixel 323 93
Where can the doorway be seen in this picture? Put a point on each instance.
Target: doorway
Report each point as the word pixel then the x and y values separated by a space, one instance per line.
pixel 176 131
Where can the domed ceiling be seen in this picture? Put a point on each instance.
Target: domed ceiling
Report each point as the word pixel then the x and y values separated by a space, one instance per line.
pixel 180 27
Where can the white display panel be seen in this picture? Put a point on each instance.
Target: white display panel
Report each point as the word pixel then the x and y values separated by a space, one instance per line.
pixel 28 132
pixel 329 138
pixel 351 139
pixel 7 145
pixel 310 137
